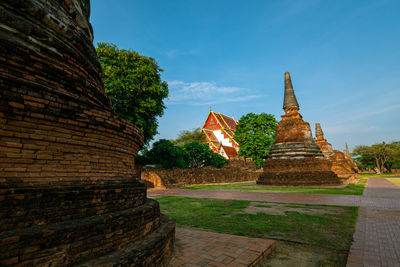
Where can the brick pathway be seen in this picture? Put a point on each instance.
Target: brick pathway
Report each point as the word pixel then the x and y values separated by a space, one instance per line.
pixel 377 236
pixel 341 200
pixel 201 248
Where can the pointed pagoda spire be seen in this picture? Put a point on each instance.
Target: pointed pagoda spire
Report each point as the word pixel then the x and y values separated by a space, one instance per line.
pixel 289 100
pixel 347 149
pixel 318 131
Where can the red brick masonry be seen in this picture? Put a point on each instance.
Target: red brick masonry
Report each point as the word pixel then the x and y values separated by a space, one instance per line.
pixel 67 189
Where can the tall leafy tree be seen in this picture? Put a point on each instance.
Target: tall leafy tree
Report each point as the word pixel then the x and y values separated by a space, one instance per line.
pixel 200 155
pixel 381 156
pixel 133 83
pixel 255 134
pixel 188 136
pixel 192 155
pixel 167 155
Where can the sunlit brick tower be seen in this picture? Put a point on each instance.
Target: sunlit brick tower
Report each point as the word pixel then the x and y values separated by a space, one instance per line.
pixel 68 193
pixel 295 158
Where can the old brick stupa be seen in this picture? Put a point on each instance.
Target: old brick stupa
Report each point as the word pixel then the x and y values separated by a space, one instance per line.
pixel 295 159
pixel 68 195
pixel 340 165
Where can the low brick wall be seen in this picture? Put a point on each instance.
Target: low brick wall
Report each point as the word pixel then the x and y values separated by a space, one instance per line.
pixel 172 178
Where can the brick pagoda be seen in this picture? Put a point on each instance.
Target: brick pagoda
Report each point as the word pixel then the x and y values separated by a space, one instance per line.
pixel 68 195
pixel 295 158
pixel 340 165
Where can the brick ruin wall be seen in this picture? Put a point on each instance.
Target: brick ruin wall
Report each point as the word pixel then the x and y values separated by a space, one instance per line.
pixel 68 193
pixel 233 171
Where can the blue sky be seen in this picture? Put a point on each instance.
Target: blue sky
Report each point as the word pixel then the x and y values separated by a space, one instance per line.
pixel 343 56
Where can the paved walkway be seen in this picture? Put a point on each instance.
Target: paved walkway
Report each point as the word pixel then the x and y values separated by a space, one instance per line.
pixel 200 248
pixel 377 236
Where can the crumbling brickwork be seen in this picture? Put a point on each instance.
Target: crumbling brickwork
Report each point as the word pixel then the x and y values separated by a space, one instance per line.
pixel 340 165
pixel 295 159
pixel 234 171
pixel 68 193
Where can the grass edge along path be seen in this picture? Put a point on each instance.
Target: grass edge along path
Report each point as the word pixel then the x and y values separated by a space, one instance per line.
pixel 395 181
pixel 350 189
pixel 294 222
pixel 321 226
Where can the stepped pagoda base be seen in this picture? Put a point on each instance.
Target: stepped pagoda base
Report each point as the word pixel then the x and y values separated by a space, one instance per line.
pixel 298 172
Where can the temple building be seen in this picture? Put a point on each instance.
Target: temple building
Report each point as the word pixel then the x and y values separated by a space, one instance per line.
pixel 295 158
pixel 342 166
pixel 219 131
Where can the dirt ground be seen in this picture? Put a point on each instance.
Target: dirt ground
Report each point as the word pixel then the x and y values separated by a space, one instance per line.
pixel 292 254
pixel 281 208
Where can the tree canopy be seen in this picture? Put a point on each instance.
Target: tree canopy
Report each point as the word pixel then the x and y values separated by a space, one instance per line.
pixel 133 83
pixel 381 157
pixel 188 136
pixel 200 155
pixel 255 134
pixel 192 155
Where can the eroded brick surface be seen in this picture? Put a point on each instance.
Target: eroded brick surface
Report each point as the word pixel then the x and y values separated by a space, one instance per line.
pixel 68 192
pixel 233 171
pixel 295 158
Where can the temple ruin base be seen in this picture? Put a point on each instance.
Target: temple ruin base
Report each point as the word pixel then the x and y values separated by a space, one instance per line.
pixel 299 172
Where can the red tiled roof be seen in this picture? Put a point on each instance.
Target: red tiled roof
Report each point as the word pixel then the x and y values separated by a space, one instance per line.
pixel 212 136
pixel 231 123
pixel 230 151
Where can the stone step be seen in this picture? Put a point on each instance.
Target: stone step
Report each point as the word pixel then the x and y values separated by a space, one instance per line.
pixel 29 206
pixel 78 240
pixel 195 247
pixel 153 250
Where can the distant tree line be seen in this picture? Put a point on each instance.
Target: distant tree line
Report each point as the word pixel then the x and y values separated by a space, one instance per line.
pixel 381 157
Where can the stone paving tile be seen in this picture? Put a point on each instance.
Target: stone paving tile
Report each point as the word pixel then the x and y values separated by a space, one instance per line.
pixel 200 248
pixel 376 241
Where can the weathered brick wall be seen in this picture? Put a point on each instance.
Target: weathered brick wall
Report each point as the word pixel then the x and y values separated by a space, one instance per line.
pixel 172 178
pixel 68 189
pixel 55 121
pixel 300 172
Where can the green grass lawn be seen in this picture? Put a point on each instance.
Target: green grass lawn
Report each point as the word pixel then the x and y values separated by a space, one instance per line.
pixel 396 181
pixel 351 189
pixel 329 227
pixel 379 175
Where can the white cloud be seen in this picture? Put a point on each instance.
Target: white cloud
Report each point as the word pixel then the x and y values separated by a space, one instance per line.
pixel 205 93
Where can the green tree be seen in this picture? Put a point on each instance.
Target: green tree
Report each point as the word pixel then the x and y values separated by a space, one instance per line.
pixel 255 134
pixel 381 156
pixel 166 154
pixel 189 136
pixel 133 83
pixel 200 155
